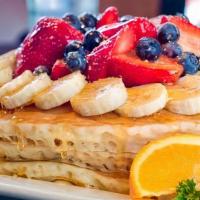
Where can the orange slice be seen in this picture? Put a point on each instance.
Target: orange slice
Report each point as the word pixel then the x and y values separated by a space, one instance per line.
pixel 161 165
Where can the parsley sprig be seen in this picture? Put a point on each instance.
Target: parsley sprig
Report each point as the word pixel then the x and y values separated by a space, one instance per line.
pixel 186 190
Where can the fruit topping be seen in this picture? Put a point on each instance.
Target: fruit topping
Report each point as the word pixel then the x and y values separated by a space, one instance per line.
pixel 135 71
pixel 100 97
pixel 168 32
pixel 74 45
pixel 45 44
pixel 189 34
pixel 184 100
pixel 138 105
pixel 88 20
pixel 122 42
pixel 25 95
pixel 59 70
pixel 92 39
pixel 109 16
pixel 73 20
pixel 148 49
pixel 142 28
pixel 111 29
pixel 75 61
pixel 126 18
pixel 190 62
pixel 61 91
pixel 172 49
pixel 41 69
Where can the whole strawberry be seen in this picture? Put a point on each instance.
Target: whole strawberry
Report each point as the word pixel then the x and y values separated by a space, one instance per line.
pixel 45 44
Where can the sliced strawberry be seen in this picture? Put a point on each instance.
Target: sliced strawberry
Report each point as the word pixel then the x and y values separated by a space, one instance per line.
pixel 59 69
pixel 125 40
pixel 189 34
pixel 109 16
pixel 110 29
pixel 158 20
pixel 137 72
pixel 142 27
pixel 98 59
pixel 45 44
pixel 122 42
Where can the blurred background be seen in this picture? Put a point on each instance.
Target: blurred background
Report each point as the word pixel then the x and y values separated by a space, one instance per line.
pixel 18 16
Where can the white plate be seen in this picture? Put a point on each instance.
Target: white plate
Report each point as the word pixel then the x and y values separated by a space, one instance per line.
pixel 32 189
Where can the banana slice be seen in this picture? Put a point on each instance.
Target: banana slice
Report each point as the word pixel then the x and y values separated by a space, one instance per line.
pixel 16 84
pixel 144 100
pixel 183 101
pixel 27 93
pixel 7 64
pixel 61 91
pixel 189 81
pixel 100 97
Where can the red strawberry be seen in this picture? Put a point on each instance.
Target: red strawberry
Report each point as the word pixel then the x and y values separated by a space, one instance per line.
pixel 137 72
pixel 59 69
pixel 97 60
pixel 122 42
pixel 157 21
pixel 110 29
pixel 142 26
pixel 45 44
pixel 109 16
pixel 189 34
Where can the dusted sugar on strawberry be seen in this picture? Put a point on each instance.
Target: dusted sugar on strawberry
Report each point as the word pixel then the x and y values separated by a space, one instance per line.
pixel 109 16
pixel 45 44
pixel 138 72
pixel 59 69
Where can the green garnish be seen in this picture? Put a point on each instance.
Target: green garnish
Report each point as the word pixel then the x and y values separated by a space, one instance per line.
pixel 186 190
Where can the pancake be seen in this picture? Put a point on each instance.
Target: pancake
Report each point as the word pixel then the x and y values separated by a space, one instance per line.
pixel 52 171
pixel 106 143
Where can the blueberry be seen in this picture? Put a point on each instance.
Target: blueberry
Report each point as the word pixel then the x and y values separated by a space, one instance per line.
pixel 126 18
pixel 74 45
pixel 92 39
pixel 190 62
pixel 40 70
pixel 84 29
pixel 182 16
pixel 172 49
pixel 88 20
pixel 75 61
pixel 148 49
pixel 168 32
pixel 73 20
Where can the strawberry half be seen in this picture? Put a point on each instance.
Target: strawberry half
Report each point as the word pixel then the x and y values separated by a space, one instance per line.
pixel 45 44
pixel 189 34
pixel 109 16
pixel 122 42
pixel 137 72
pixel 59 70
pixel 142 27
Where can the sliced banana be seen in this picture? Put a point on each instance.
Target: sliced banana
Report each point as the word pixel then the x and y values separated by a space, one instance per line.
pixel 100 97
pixel 27 93
pixel 16 84
pixel 61 91
pixel 144 100
pixel 189 81
pixel 7 64
pixel 183 101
